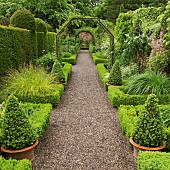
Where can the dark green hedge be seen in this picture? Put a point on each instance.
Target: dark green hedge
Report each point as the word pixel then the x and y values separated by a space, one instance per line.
pixel 99 60
pixel 17 47
pixel 71 60
pixel 102 71
pixel 67 68
pixel 13 164
pixel 117 97
pixel 53 98
pixel 46 42
pixel 128 116
pixel 153 161
pixel 39 116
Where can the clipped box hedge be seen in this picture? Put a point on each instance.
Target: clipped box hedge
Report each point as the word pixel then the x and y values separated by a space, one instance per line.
pixel 117 97
pixel 39 116
pixel 148 160
pixel 67 68
pixel 128 116
pixel 13 164
pixel 71 60
pixel 102 71
pixel 99 60
pixel 53 98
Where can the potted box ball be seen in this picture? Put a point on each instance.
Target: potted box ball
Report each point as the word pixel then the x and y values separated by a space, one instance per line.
pixel 115 77
pixel 149 132
pixel 18 136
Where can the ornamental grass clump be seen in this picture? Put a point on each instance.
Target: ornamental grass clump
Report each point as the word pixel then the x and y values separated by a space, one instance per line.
pixel 149 130
pixel 17 130
pixel 149 82
pixel 58 72
pixel 115 77
pixel 30 81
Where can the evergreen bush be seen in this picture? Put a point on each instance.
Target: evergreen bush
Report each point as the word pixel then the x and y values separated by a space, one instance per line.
pixel 40 25
pixel 17 130
pixel 23 19
pixel 58 72
pixel 115 74
pixel 149 130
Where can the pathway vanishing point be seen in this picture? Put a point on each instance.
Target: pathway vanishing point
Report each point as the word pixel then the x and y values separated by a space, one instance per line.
pixel 84 131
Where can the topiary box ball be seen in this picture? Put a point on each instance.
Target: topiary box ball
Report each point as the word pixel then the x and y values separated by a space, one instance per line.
pixel 23 19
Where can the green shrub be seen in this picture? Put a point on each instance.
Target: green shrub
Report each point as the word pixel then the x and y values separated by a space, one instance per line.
pixel 67 71
pixel 71 60
pixel 66 54
pixel 39 117
pixel 153 161
pixel 13 164
pixel 17 48
pixel 30 81
pixel 166 117
pixel 149 82
pixel 57 71
pixel 23 19
pixel 102 72
pixel 159 62
pixel 99 60
pixel 115 77
pixel 17 130
pixel 129 71
pixel 117 97
pixel 40 25
pixel 128 116
pixel 149 128
pixel 46 61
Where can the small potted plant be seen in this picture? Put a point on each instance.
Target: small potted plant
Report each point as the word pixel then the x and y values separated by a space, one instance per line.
pixel 115 77
pixel 18 135
pixel 58 72
pixel 149 132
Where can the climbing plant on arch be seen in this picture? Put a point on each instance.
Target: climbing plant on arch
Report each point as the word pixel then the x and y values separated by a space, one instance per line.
pixel 69 22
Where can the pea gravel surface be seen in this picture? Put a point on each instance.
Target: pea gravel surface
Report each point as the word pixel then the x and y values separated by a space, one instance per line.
pixel 84 131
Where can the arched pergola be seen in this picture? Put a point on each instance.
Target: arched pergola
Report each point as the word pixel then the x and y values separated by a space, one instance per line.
pixel 85 19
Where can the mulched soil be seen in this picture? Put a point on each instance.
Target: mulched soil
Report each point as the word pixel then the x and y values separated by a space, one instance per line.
pixel 84 131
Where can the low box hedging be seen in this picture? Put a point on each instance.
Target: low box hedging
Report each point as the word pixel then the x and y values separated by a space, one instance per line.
pixel 128 116
pixel 13 164
pixel 98 60
pixel 117 97
pixel 153 160
pixel 102 71
pixel 39 116
pixel 53 98
pixel 67 68
pixel 71 60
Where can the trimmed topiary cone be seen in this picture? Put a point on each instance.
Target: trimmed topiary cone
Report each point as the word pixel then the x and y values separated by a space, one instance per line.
pixel 18 132
pixel 149 130
pixel 115 77
pixel 58 72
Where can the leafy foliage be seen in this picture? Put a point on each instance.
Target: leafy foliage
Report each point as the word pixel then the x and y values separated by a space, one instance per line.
pixel 149 127
pixel 18 132
pixel 23 19
pixel 129 71
pixel 57 71
pixel 166 117
pixel 148 160
pixel 30 81
pixel 40 25
pixel 149 82
pixel 115 74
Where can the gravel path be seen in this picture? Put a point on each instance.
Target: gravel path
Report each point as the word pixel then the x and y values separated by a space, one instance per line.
pixel 84 133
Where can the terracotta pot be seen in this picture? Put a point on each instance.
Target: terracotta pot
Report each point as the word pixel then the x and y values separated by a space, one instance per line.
pixel 111 84
pixel 137 147
pixel 26 153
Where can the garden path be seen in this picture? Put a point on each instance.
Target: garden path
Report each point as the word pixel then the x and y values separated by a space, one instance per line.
pixel 84 131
